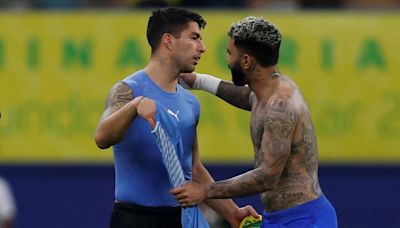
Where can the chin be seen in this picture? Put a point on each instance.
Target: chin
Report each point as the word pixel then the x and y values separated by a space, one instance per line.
pixel 187 70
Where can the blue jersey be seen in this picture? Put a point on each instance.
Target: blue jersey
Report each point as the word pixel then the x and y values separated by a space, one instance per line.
pixel 140 174
pixel 169 142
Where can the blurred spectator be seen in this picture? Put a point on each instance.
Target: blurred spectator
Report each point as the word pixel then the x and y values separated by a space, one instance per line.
pixel 371 4
pixel 272 4
pixel 153 3
pixel 321 4
pixel 133 3
pixel 58 4
pixel 112 3
pixel 7 205
pixel 16 4
pixel 214 3
pixel 252 4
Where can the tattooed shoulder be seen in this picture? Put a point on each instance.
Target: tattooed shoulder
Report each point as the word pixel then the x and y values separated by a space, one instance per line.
pixel 282 108
pixel 119 95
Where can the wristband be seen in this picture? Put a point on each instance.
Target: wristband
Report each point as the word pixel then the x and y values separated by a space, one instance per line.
pixel 207 83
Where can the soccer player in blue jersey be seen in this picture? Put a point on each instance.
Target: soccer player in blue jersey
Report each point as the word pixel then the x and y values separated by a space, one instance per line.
pixel 284 140
pixel 142 187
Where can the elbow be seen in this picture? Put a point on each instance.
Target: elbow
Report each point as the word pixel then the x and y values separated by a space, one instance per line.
pixel 101 141
pixel 102 146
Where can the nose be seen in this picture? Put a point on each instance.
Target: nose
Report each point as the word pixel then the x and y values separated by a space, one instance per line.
pixel 202 47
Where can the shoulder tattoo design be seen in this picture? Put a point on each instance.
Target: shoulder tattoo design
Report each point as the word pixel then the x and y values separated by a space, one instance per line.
pixel 119 95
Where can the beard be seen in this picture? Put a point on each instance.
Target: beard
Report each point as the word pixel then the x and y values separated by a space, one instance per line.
pixel 238 76
pixel 187 70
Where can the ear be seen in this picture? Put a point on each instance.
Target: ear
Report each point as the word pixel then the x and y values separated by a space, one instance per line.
pixel 247 62
pixel 168 40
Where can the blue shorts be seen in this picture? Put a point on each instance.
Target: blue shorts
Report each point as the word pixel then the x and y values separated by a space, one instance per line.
pixel 313 214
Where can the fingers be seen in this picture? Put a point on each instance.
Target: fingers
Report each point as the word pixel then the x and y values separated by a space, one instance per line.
pixel 252 211
pixel 152 122
pixel 176 190
pixel 179 194
pixel 181 197
pixel 187 80
pixel 188 194
pixel 187 203
pixel 146 108
pixel 184 199
pixel 182 82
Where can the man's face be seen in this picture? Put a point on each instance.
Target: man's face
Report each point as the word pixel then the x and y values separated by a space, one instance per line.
pixel 233 57
pixel 188 48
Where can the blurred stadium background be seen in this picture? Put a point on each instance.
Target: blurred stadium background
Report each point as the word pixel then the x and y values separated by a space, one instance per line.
pixel 59 58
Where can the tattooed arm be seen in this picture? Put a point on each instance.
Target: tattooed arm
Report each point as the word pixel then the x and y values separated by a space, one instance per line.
pixel 278 123
pixel 225 207
pixel 119 112
pixel 238 96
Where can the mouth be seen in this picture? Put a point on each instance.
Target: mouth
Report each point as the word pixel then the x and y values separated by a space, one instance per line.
pixel 196 59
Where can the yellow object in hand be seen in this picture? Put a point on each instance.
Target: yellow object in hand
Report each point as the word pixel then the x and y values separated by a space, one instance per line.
pixel 251 222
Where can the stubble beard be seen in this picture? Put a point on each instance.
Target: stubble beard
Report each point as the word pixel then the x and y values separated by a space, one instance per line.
pixel 238 76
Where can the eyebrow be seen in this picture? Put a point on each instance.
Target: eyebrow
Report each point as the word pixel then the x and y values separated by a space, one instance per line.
pixel 196 34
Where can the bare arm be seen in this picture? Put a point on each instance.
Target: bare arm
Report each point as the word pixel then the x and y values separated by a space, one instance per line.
pixel 279 122
pixel 225 207
pixel 119 112
pixel 238 96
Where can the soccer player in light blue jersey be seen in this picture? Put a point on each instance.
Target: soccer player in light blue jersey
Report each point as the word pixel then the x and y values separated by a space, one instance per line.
pixel 142 187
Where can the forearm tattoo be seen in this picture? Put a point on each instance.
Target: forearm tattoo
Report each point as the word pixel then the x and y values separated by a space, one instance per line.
pixel 252 182
pixel 238 96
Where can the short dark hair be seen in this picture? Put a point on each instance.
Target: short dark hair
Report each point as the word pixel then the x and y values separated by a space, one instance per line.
pixel 259 37
pixel 170 20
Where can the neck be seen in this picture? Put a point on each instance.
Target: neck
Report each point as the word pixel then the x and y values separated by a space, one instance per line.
pixel 264 81
pixel 163 73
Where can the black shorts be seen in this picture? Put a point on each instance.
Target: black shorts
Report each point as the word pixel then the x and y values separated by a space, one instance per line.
pixel 126 215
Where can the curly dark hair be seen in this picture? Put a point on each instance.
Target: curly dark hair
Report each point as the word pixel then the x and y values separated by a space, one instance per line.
pixel 258 37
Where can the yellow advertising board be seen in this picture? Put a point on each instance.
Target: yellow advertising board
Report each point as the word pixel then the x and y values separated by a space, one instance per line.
pixel 56 69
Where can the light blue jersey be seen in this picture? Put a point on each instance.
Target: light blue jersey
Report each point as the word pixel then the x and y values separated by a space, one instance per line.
pixel 140 174
pixel 169 141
